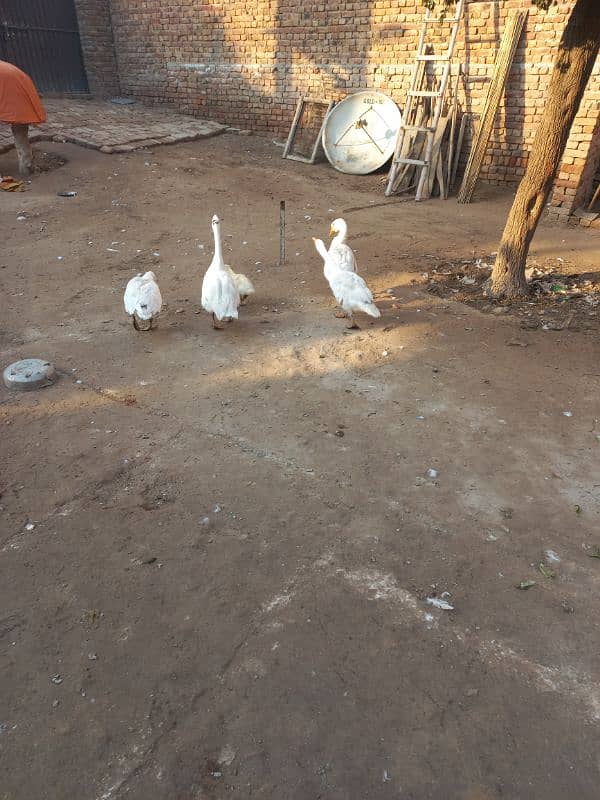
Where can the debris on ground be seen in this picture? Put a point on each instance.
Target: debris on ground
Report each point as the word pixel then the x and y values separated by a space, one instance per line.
pixel 546 571
pixel 9 184
pixel 439 602
pixel 559 299
pixel 525 584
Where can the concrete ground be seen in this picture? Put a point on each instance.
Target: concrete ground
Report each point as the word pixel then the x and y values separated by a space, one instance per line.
pixel 110 127
pixel 218 547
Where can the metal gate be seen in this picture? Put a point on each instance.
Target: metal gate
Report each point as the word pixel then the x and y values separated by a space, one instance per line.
pixel 42 38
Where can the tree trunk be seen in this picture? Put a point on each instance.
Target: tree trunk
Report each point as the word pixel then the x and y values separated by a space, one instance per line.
pixel 577 54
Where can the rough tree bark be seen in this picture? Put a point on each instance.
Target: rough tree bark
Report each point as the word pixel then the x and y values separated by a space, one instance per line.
pixel 577 54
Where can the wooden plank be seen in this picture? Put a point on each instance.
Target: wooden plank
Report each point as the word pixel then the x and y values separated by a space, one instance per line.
pixel 504 59
pixel 292 133
pixel 595 197
pixel 453 116
pixel 436 153
pixel 302 103
pixel 461 135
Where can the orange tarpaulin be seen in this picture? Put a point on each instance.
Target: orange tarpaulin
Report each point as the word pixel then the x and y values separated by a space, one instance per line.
pixel 19 100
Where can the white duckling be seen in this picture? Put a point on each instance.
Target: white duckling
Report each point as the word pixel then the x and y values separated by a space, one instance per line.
pixel 349 289
pixel 142 300
pixel 244 285
pixel 220 295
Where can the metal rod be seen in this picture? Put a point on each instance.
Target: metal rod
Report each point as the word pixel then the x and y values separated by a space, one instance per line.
pixel 281 233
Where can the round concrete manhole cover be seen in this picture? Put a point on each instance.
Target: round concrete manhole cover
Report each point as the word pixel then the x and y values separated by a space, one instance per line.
pixel 31 373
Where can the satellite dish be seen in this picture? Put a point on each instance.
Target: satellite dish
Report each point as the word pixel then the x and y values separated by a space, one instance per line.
pixel 359 134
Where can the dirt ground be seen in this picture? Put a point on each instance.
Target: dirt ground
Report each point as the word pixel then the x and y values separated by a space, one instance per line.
pixel 235 533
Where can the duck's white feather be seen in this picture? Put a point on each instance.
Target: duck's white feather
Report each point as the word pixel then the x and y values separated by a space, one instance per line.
pixel 220 295
pixel 348 288
pixel 352 293
pixel 343 256
pixel 142 296
pixel 341 253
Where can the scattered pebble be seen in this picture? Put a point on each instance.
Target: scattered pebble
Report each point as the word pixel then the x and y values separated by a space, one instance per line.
pixel 217 508
pixel 567 413
pixel 432 473
pixel 227 755
pixel 439 603
pixel 56 679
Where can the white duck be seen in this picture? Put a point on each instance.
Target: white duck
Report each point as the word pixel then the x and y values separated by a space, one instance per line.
pixel 349 289
pixel 220 294
pixel 142 300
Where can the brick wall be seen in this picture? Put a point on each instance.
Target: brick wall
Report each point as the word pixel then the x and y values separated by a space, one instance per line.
pixel 97 45
pixel 573 186
pixel 246 62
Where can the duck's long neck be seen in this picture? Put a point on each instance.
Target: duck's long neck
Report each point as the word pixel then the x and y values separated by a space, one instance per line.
pixel 218 257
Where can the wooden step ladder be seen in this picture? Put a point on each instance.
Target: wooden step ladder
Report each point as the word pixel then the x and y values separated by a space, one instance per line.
pixel 414 99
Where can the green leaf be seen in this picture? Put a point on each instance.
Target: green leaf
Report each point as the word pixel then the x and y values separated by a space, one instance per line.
pixel 595 552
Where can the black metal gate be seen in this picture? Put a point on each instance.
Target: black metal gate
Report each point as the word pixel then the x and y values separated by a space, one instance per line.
pixel 42 38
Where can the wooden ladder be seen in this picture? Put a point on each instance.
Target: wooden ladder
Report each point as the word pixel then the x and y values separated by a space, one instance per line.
pixel 415 96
